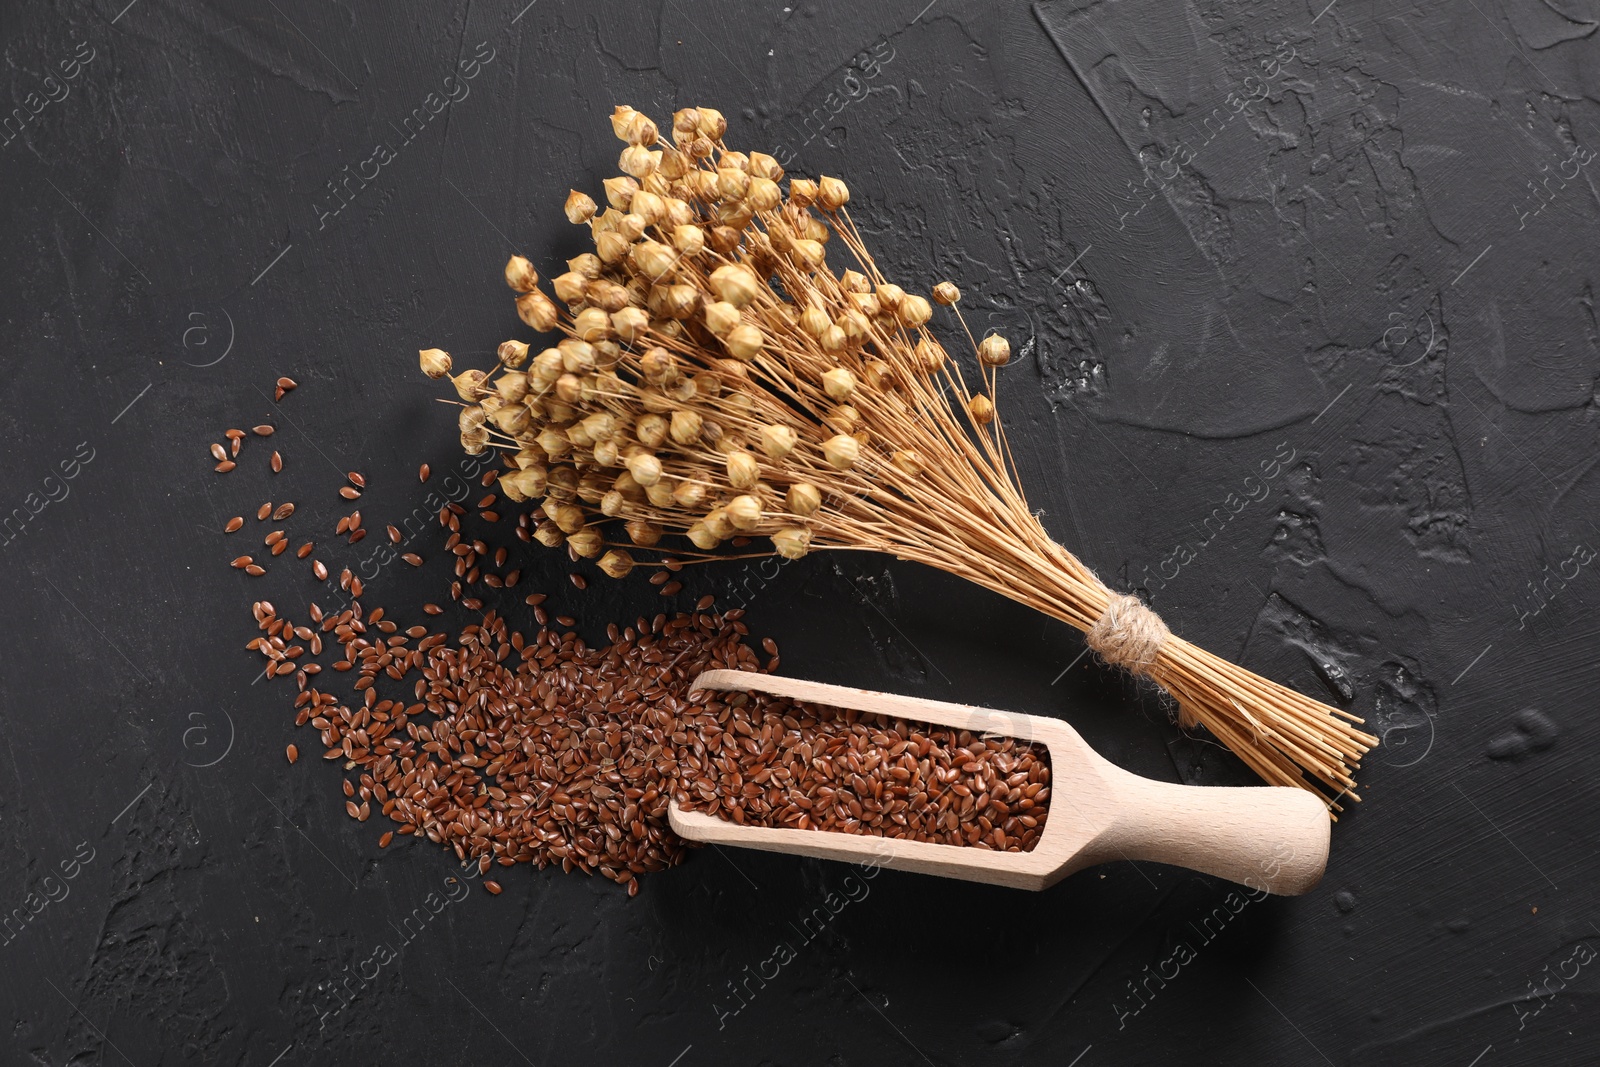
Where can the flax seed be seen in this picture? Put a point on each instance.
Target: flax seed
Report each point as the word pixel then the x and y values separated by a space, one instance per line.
pixel 277 462
pixel 423 472
pixel 287 384
pixel 225 466
pixel 412 558
pixel 255 570
pixel 292 752
pixel 219 453
pixel 241 563
pixel 356 479
pixel 234 524
pixel 263 431
pixel 349 492
pixel 304 550
pixel 318 569
pixel 394 535
pixel 283 511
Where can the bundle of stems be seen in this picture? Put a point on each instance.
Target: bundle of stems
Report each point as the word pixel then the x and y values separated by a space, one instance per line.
pixel 718 380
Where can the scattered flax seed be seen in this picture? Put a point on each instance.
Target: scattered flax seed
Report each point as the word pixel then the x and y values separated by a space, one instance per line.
pixel 705 602
pixel 292 752
pixel 540 749
pixel 413 559
pixel 287 384
pixel 344 578
pixel 672 588
pixel 356 479
pixel 273 537
pixel 319 570
pixel 394 535
pixel 219 452
pixel 225 466
pixel 263 430
pixel 255 570
pixel 355 519
pixel 283 511
pixel 233 447
pixel 578 581
pixel 277 462
pixel 349 493
pixel 263 511
pixel 343 527
pixel 423 472
pixel 356 535
pixel 304 550
pixel 433 609
pixel 493 887
pixel 278 549
pixel 234 524
pixel 356 588
pixel 233 435
pixel 241 562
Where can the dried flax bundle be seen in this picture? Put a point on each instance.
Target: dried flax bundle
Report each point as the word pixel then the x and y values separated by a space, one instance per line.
pixel 718 380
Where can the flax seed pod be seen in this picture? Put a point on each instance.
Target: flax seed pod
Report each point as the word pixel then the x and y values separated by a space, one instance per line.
pixel 520 275
pixel 744 513
pixel 839 383
pixel 619 192
pixel 914 311
pixel 721 317
pixel 792 542
pixel 686 426
pixel 994 351
pixel 435 362
pixel 512 354
pixel 736 284
pixel 778 441
pixel 538 311
pixel 616 563
pixel 743 470
pixel 802 192
pixel 832 194
pixel 645 468
pixel 745 341
pixel 580 207
pixel 587 542
pixel 841 451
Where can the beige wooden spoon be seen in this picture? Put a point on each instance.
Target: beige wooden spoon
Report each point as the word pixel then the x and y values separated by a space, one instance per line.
pixel 1273 839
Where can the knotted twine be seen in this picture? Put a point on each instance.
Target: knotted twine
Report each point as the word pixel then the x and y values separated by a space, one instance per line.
pixel 1129 635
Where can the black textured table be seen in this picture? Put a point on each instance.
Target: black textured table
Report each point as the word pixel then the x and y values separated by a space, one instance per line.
pixel 1307 356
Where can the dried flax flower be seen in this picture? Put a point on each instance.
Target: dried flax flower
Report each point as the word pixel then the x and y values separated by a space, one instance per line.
pixel 715 378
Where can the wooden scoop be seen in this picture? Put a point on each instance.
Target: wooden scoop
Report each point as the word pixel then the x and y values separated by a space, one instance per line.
pixel 1270 838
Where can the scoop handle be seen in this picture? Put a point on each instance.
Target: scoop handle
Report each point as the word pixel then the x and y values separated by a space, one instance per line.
pixel 1273 839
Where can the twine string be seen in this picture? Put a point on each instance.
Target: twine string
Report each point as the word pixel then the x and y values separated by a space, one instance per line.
pixel 1130 635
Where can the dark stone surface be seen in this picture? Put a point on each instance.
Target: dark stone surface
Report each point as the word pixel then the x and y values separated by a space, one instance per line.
pixel 1305 300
